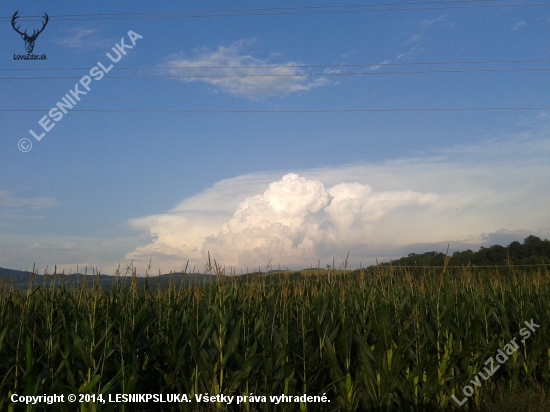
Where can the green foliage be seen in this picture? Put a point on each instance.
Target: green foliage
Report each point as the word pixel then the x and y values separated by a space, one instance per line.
pixel 386 340
pixel 532 251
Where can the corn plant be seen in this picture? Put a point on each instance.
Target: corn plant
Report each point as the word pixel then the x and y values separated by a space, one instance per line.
pixel 377 339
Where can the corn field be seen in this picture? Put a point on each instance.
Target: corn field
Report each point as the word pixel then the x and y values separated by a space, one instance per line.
pixel 377 340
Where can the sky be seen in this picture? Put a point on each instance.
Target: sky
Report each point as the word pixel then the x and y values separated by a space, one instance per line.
pixel 270 134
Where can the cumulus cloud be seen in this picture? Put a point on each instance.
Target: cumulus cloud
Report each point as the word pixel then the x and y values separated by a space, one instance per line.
pixel 295 216
pixel 179 235
pixel 278 225
pixel 462 196
pixel 290 223
pixel 230 69
pixel 492 192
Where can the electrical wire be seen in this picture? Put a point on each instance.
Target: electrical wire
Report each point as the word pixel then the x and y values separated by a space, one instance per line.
pixel 299 75
pixel 280 11
pixel 439 109
pixel 304 66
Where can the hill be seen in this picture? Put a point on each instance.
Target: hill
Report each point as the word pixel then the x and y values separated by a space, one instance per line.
pixel 22 278
pixel 533 250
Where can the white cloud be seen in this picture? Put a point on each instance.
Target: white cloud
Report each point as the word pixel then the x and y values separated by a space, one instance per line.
pixel 242 74
pixel 425 23
pixel 279 225
pixel 417 48
pixel 462 196
pixel 419 40
pixel 284 224
pixel 377 66
pixel 7 200
pixel 495 191
pixel 182 231
pixel 23 250
pixel 519 25
pixel 85 39
pixel 505 236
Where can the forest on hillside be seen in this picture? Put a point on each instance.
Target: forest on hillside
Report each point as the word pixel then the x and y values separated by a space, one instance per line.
pixel 533 250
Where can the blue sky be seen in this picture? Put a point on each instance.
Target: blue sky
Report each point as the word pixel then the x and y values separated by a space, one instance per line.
pixel 103 188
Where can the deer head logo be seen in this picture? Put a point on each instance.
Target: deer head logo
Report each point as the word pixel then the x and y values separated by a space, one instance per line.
pixel 29 40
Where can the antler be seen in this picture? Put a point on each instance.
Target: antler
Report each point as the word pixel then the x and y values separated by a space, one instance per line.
pixel 35 33
pixel 15 16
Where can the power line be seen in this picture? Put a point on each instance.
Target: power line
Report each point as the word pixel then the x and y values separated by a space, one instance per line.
pixel 440 109
pixel 334 6
pixel 338 9
pixel 221 76
pixel 387 265
pixel 292 66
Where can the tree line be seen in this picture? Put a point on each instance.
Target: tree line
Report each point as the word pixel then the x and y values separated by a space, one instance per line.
pixel 533 250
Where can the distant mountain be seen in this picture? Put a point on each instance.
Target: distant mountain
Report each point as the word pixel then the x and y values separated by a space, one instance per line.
pixel 15 274
pixel 22 278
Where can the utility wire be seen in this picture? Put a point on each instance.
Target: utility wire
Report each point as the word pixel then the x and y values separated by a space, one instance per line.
pixel 440 109
pixel 291 66
pixel 301 75
pixel 387 265
pixel 176 14
pixel 334 6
